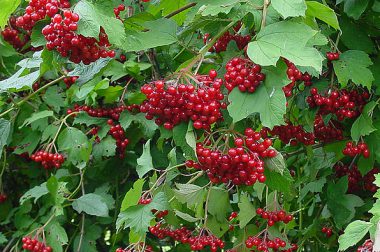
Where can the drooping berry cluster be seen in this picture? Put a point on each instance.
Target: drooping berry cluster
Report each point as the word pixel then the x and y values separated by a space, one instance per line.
pixel 118 133
pixel 265 243
pixel 342 103
pixel 70 81
pixel 186 236
pixel 327 231
pixel 357 182
pixel 48 160
pixel 366 247
pixel 34 245
pixel 295 75
pixel 171 104
pixel 332 56
pixel 3 197
pixel 241 164
pixel 38 10
pixel 61 35
pixel 244 74
pixel 274 216
pixel 352 149
pixel 111 113
pixel 222 43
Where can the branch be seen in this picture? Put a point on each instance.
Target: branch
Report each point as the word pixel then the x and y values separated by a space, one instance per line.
pixel 290 154
pixel 18 104
pixel 83 218
pixel 190 5
pixel 265 10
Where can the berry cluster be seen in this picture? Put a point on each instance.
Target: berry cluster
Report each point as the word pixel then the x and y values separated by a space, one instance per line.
pixel 366 247
pixel 327 231
pixel 264 244
pixel 118 133
pixel 232 218
pixel 185 236
pixel 274 216
pixel 356 182
pixel 352 149
pixel 172 104
pixel 332 56
pixel 48 160
pixel 241 164
pixel 343 103
pixel 34 245
pixel 244 74
pixel 333 131
pixel 15 37
pixel 118 9
pixel 38 10
pixel 111 113
pixel 223 41
pixel 61 35
pixel 295 75
pixel 70 81
pixel 292 134
pixel 3 197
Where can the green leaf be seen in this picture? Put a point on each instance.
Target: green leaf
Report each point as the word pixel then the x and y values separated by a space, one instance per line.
pixel 91 204
pixel 145 162
pixel 314 187
pixel 53 98
pixel 84 118
pixel 353 65
pixel 341 205
pixel 35 192
pixel 93 16
pixel 37 116
pixel 219 203
pixel 19 80
pixel 138 217
pixel 159 32
pixel 362 127
pixel 353 233
pixel 322 12
pixel 132 197
pixel 246 211
pixel 268 100
pixel 126 119
pixel 286 39
pixel 182 136
pixel 3 239
pixel 7 8
pixel 106 148
pixel 355 37
pixel 87 72
pixel 190 194
pixel 355 8
pixel 213 8
pixel 185 216
pixel 282 183
pixel 290 8
pixel 92 233
pixel 56 236
pixel 276 163
pixel 5 129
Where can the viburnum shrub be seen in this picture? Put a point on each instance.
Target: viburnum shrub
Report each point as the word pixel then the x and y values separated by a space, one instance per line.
pixel 216 126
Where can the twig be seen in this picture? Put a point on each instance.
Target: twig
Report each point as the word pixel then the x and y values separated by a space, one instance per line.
pixel 265 11
pixel 190 5
pixel 125 90
pixel 83 218
pixel 206 205
pixel 18 104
